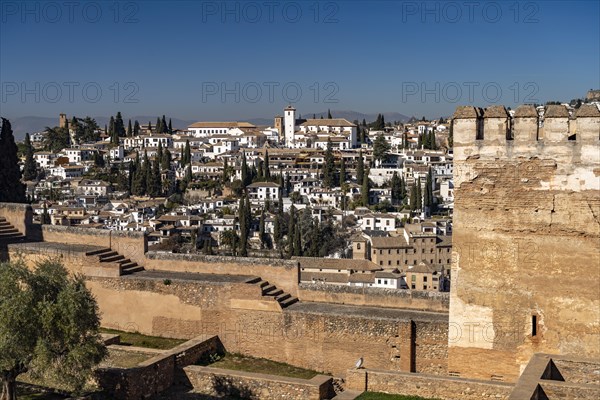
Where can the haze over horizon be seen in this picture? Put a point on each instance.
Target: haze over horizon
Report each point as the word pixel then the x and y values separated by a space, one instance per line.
pixel 237 60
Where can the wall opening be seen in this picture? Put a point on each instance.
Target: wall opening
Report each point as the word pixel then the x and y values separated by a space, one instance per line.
pixel 534 325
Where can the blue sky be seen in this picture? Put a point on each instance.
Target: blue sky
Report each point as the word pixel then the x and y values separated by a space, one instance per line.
pixel 207 60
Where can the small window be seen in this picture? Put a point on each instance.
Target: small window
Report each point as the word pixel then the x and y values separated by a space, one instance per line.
pixel 379 281
pixel 534 325
pixel 413 278
pixel 424 279
pixel 357 246
pixel 385 282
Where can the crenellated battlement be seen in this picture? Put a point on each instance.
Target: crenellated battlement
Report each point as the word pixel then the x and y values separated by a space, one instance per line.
pixel 571 139
pixel 495 125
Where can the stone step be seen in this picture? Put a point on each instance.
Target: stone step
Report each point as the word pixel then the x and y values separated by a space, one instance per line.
pixel 254 280
pixel 273 292
pixel 131 269
pixel 283 297
pixel 8 229
pixel 5 235
pixel 113 258
pixel 348 395
pixel 288 302
pixel 263 283
pixel 268 288
pixel 2 219
pixel 98 252
pixel 5 223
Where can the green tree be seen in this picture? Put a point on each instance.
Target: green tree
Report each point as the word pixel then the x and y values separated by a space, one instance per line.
pixel 56 139
pixel 136 128
pixel 413 196
pixel 11 188
pixel 329 114
pixel 230 239
pixel 129 129
pixel 155 183
pixel 360 168
pixel 266 168
pixel 261 229
pixel 187 153
pixel 138 186
pixel 381 148
pixel 49 325
pixel 119 125
pixel 342 171
pixel 365 188
pixel 170 127
pixel 30 168
pixel 419 195
pixel 158 125
pixel 163 125
pixel 329 167
pixel 396 185
pixel 165 162
pixel 45 217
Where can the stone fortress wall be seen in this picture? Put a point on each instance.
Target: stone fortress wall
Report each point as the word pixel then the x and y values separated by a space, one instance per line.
pixel 526 254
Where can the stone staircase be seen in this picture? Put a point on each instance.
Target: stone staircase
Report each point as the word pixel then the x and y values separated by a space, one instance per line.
pixel 284 299
pixel 125 265
pixel 8 233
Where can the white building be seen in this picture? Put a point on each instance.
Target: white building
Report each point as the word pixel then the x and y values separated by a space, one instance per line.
pixel 207 129
pixel 67 171
pixel 289 125
pixel 259 192
pixel 44 159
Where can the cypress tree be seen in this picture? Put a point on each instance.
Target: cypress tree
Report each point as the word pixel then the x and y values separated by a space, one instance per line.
pixel 158 125
pixel 297 241
pixel 165 162
pixel 261 229
pixel 419 195
pixel 187 153
pixel 11 188
pixel 136 128
pixel 150 127
pixel 155 184
pixel 145 172
pixel 396 189
pixel 170 127
pixel 29 169
pixel 329 168
pixel 364 191
pixel 360 168
pixel 119 126
pixel 242 219
pixel 45 218
pixel 266 166
pixel 413 196
pixel 342 171
pixel 329 114
pixel 111 126
pixel 163 125
pixel 129 129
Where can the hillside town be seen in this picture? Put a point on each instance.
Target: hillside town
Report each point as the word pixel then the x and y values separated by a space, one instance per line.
pixel 375 199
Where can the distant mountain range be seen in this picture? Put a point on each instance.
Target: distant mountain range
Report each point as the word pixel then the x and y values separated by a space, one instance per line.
pixel 33 124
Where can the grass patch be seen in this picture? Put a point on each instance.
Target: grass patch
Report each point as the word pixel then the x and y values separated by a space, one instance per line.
pixel 124 359
pixel 139 340
pixel 385 396
pixel 240 362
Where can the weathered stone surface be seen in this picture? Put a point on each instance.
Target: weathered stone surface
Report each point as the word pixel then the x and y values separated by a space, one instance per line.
pixel 246 385
pixel 525 245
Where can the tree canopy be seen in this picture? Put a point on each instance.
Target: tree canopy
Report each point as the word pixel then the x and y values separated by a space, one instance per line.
pixel 11 188
pixel 49 325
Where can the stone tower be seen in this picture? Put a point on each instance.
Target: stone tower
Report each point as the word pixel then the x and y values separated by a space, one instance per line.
pixel 62 120
pixel 278 125
pixel 289 120
pixel 526 248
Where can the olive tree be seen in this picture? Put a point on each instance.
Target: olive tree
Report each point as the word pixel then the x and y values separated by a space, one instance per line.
pixel 49 325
